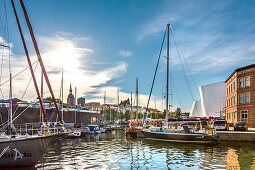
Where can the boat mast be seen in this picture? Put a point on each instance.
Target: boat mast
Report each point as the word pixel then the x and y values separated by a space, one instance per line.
pixel 131 114
pixel 41 108
pixel 118 104
pixel 10 104
pixel 62 97
pixel 167 73
pixel 104 105
pixel 75 107
pixel 39 57
pixel 137 101
pixel 28 60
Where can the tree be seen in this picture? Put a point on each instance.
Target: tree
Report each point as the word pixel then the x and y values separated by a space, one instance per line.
pixel 127 115
pixel 178 112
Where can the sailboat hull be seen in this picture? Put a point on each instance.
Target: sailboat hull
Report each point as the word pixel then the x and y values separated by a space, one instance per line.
pixel 23 151
pixel 180 137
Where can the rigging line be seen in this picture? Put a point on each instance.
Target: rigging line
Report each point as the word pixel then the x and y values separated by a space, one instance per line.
pixel 7 35
pixel 26 88
pixel 4 125
pixel 1 72
pixel 186 79
pixel 154 77
pixel 18 73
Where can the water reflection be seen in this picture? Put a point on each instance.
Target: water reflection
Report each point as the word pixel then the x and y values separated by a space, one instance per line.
pixel 115 151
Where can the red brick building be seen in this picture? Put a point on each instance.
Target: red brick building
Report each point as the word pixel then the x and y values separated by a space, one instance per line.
pixel 240 96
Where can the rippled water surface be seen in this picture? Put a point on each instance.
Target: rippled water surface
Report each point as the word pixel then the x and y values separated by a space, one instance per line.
pixel 114 151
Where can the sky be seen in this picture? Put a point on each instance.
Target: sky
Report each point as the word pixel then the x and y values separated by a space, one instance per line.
pixel 103 45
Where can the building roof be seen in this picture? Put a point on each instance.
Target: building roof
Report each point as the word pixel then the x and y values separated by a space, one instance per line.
pixel 239 69
pixel 125 102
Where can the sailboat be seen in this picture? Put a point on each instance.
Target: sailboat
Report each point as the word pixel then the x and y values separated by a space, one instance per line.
pixel 183 133
pixel 24 147
pixel 134 129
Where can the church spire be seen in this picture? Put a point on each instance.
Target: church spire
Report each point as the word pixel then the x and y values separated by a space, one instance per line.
pixel 70 88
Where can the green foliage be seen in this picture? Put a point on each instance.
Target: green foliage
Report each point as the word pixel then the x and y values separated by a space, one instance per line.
pixel 178 112
pixel 127 115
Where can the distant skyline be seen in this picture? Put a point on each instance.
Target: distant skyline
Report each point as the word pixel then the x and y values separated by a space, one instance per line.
pixel 104 45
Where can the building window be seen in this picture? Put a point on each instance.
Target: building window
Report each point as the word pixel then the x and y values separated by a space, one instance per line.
pixel 247 81
pixel 231 101
pixel 240 83
pixel 234 113
pixel 231 88
pixel 234 84
pixel 240 98
pixel 244 114
pixel 247 97
pixel 234 100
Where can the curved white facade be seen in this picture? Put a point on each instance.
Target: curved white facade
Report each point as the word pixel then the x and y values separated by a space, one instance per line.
pixel 212 100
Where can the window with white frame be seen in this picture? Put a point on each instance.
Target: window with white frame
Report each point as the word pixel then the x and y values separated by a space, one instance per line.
pixel 247 81
pixel 247 97
pixel 240 98
pixel 244 114
pixel 240 83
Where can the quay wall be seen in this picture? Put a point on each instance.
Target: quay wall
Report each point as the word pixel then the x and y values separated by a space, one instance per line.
pixel 237 136
pixel 32 115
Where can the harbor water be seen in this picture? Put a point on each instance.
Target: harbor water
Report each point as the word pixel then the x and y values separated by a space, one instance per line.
pixel 113 150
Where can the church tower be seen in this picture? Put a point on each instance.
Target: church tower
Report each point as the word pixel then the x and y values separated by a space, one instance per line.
pixel 70 98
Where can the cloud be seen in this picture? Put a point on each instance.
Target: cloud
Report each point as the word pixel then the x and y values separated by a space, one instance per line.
pixel 61 51
pixel 126 53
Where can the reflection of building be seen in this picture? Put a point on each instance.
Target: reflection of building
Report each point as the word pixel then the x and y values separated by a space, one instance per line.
pixel 81 102
pixel 240 92
pixel 70 98
pixel 212 101
pixel 94 106
pixel 232 159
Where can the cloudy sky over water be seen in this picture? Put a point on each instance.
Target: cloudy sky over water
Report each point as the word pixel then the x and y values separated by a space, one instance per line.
pixel 104 45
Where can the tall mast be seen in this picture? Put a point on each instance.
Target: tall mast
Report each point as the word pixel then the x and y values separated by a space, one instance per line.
pixel 62 97
pixel 104 105
pixel 131 114
pixel 75 107
pixel 167 72
pixel 118 104
pixel 10 111
pixel 137 101
pixel 41 108
pixel 29 61
pixel 39 57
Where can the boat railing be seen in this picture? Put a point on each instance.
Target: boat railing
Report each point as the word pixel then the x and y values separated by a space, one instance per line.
pixel 40 129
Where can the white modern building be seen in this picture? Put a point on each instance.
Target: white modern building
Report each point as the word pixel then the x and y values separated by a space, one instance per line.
pixel 212 100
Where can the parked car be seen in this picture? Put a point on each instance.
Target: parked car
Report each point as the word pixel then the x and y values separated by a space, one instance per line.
pixel 220 125
pixel 240 126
